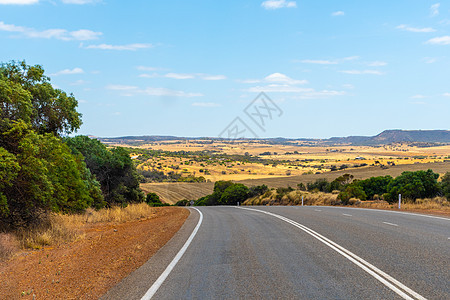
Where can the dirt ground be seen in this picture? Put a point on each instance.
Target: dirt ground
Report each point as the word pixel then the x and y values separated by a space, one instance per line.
pixel 87 268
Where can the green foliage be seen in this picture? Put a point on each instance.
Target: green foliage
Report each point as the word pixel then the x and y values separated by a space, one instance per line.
pixel 301 186
pixel 413 185
pixel 320 184
pixel 445 185
pixel 152 198
pixel 257 190
pixel 182 203
pixel 26 94
pixel 233 194
pixel 375 185
pixel 352 191
pixel 40 174
pixel 225 193
pixel 114 169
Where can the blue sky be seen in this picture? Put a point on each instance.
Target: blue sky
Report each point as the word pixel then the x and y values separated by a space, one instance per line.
pixel 188 68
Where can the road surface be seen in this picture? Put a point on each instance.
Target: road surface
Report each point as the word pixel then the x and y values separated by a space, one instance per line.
pixel 298 253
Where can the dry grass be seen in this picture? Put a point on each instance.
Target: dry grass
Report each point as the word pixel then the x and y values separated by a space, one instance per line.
pixel 436 205
pixel 60 229
pixel 293 198
pixel 8 245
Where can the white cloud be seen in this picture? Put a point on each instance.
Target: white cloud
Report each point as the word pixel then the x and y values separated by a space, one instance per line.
pixel 179 76
pixel 442 40
pixel 128 47
pixel 19 2
pixel 338 13
pixel 206 104
pixel 182 76
pixel 318 62
pixel 361 72
pixel 418 96
pixel 276 4
pixel 214 77
pixel 446 95
pixel 351 58
pixel 299 93
pixel 429 60
pixel 60 34
pixel 415 29
pixel 151 91
pixel 153 75
pixel 118 87
pixel 281 78
pixel 68 72
pixel 434 9
pixel 377 64
pixel 131 90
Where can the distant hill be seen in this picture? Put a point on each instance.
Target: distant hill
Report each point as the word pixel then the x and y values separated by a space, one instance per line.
pixel 396 136
pixel 417 137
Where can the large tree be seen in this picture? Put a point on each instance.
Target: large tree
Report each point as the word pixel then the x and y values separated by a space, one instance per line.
pixel 38 172
pixel 113 168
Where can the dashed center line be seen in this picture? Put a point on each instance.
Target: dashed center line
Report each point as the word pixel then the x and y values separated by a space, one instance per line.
pixel 392 224
pixel 347 215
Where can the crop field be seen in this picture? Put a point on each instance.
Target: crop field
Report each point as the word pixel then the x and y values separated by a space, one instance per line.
pixel 256 160
pixel 173 192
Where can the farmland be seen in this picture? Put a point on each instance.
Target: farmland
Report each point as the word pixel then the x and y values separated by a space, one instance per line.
pixel 187 169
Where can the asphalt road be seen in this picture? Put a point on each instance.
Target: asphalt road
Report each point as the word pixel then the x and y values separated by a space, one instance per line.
pixel 300 253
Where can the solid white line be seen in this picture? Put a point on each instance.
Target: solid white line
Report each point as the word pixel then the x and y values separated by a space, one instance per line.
pixel 154 288
pixel 347 215
pixel 392 224
pixel 384 278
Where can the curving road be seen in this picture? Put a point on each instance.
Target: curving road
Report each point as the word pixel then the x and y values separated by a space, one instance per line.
pixel 297 252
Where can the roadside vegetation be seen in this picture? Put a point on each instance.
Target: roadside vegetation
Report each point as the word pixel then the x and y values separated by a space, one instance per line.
pixel 46 179
pixel 419 189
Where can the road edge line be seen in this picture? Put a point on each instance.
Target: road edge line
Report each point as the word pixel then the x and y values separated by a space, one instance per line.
pixel 396 286
pixel 157 284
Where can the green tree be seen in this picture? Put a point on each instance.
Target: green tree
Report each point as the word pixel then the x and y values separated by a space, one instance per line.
pixel 113 168
pixel 233 194
pixel 413 185
pixel 375 185
pixel 26 94
pixel 445 185
pixel 42 175
pixel 352 191
pixel 38 172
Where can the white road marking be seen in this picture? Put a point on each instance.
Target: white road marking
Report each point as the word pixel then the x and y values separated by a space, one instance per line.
pixel 391 211
pixel 392 224
pixel 317 210
pixel 154 288
pixel 384 278
pixel 347 215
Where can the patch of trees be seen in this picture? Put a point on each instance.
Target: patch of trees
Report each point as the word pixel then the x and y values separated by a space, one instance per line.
pixel 39 173
pixel 411 185
pixel 230 193
pixel 160 176
pixel 113 168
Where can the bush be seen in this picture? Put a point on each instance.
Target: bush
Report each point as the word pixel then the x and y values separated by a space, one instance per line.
pixel 413 185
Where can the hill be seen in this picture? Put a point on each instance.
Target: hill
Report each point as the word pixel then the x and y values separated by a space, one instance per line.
pixel 422 138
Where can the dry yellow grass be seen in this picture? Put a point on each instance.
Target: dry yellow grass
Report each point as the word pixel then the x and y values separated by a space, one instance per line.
pixel 438 205
pixel 66 228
